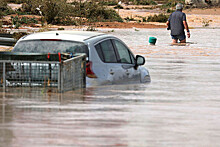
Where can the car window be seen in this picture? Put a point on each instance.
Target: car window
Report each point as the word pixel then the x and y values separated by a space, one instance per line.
pixel 106 51
pixel 99 51
pixel 123 52
pixel 38 46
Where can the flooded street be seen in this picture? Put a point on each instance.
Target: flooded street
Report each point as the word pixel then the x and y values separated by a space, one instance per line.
pixel 180 107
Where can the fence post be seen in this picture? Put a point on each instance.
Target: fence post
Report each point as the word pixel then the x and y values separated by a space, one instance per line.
pixel 4 78
pixel 30 73
pixel 84 72
pixel 60 77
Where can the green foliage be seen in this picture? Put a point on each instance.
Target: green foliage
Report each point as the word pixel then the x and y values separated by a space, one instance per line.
pixel 129 19
pixel 3 6
pixel 172 3
pixel 143 2
pixel 153 2
pixel 21 12
pixel 60 12
pixel 4 9
pixel 16 22
pixel 61 29
pixel 14 1
pixel 109 3
pixel 158 18
pixel 94 12
pixel 23 20
pixel 51 10
pixel 17 25
pixel 1 14
pixel 1 25
pixel 66 21
pixel 54 8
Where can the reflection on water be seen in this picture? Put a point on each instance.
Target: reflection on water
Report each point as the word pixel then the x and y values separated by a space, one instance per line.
pixel 180 107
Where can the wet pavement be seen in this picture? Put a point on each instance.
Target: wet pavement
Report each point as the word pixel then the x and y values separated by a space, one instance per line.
pixel 180 107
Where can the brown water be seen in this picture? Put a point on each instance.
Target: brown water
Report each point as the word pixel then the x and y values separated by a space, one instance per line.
pixel 180 107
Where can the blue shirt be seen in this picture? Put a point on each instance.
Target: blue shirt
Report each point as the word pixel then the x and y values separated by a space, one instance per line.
pixel 176 23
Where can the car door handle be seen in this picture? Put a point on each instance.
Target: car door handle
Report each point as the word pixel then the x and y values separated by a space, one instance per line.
pixel 127 72
pixel 111 72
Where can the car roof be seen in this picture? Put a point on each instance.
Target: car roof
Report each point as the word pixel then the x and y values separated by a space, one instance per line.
pixel 80 36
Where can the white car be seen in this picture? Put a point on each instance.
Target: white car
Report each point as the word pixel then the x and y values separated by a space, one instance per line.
pixel 109 60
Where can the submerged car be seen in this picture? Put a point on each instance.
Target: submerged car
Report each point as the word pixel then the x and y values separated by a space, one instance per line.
pixel 109 60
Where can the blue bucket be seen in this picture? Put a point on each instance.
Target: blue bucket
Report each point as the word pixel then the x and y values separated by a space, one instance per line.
pixel 152 40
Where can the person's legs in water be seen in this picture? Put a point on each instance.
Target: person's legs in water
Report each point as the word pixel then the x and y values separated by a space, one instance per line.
pixel 181 38
pixel 175 39
pixel 183 41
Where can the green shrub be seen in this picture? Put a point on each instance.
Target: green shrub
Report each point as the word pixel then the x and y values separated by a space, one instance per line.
pixel 60 12
pixel 4 9
pixel 14 19
pixel 129 19
pixel 17 25
pixel 50 9
pixel 143 2
pixel 15 1
pixel 94 12
pixel 3 6
pixel 23 20
pixel 21 12
pixel 172 3
pixel 158 18
pixel 153 2
pixel 109 3
pixel 61 29
pixel 32 20
pixel 1 14
pixel 66 21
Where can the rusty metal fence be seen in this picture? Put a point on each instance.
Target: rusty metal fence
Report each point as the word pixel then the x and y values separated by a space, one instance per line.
pixel 66 75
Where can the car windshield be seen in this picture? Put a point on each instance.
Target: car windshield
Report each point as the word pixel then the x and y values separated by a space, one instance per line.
pixel 51 46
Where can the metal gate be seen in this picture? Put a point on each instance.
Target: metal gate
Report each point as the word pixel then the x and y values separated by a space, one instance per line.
pixel 69 74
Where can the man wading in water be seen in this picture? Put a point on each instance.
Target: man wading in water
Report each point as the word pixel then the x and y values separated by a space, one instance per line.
pixel 176 23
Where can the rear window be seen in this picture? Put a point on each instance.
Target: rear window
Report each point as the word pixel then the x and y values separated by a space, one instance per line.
pixel 53 46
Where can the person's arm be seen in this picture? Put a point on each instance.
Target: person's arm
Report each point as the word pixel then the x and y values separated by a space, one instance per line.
pixel 167 23
pixel 187 28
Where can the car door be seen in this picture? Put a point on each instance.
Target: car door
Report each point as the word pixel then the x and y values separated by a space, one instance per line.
pixel 126 60
pixel 117 59
pixel 107 54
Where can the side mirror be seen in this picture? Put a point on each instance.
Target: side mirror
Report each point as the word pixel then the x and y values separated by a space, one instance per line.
pixel 140 60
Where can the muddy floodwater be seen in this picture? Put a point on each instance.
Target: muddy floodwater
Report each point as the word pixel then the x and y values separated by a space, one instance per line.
pixel 180 107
